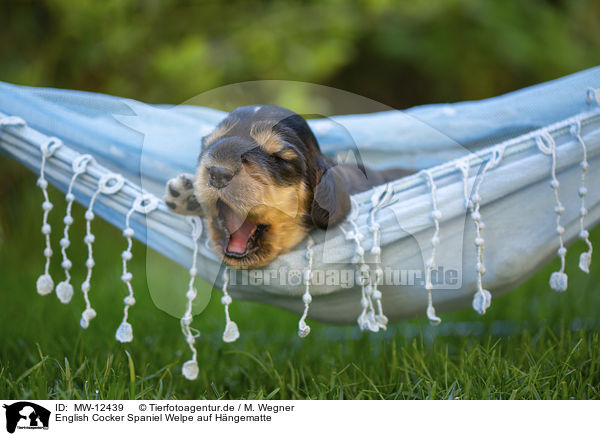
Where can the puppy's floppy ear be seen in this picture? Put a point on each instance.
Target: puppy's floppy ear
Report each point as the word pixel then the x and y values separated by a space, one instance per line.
pixel 331 202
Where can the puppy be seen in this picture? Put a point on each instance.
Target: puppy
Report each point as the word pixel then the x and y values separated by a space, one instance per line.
pixel 262 183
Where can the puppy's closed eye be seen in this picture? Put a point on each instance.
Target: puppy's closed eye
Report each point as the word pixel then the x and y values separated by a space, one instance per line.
pixel 287 153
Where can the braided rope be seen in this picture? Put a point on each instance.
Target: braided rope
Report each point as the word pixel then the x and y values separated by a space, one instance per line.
pixel 366 319
pixel 464 167
pixel 190 368
pixel 436 215
pixel 585 259
pixel 303 328
pixel 379 199
pixel 482 298
pixel 144 204
pixel 108 184
pixel 545 143
pixel 44 283
pixel 231 332
pixel 64 290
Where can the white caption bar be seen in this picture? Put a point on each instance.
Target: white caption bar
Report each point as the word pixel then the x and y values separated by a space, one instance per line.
pixel 301 417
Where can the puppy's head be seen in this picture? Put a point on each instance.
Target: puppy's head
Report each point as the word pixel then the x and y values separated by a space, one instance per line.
pixel 263 184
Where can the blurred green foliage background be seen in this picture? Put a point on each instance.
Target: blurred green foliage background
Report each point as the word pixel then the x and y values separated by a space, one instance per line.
pixel 399 53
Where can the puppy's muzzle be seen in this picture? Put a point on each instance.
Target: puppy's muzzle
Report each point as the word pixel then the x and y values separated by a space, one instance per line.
pixel 219 177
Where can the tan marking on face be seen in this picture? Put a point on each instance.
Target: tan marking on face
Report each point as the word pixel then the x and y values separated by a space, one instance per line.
pixel 285 217
pixel 264 136
pixel 287 154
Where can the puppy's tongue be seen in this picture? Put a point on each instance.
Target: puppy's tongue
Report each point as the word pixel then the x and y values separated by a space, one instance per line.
pixel 240 231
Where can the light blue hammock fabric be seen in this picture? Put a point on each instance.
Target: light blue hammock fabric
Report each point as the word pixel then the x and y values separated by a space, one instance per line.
pixel 489 204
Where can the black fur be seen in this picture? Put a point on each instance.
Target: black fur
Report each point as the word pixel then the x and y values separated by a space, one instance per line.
pixel 331 201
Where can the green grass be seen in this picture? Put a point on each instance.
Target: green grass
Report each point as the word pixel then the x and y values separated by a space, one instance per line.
pixel 533 343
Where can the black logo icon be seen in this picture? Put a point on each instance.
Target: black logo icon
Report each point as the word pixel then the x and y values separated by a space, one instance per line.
pixel 26 415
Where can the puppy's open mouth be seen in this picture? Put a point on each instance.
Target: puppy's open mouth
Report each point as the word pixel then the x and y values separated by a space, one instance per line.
pixel 243 234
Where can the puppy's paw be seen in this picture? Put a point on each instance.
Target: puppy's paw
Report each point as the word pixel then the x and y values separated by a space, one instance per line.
pixel 180 197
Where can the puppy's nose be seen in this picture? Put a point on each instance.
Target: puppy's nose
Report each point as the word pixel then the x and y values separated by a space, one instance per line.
pixel 219 177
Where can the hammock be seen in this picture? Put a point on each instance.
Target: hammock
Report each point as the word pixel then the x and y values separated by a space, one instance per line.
pixel 502 189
